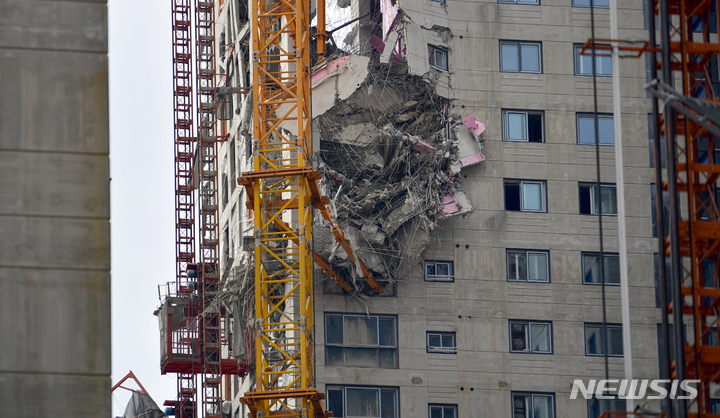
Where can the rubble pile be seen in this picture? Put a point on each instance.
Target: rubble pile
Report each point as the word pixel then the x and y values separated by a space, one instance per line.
pixel 391 155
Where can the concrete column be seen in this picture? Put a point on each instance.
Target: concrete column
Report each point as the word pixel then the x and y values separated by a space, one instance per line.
pixel 54 209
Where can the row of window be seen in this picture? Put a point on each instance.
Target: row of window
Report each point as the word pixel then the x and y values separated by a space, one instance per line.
pixel 371 340
pixel 383 402
pixel 526 57
pixel 575 3
pixel 605 4
pixel 519 125
pixel 534 266
pixel 531 196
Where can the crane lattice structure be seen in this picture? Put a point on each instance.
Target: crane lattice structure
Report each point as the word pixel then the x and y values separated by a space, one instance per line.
pixel 283 187
pixel 691 123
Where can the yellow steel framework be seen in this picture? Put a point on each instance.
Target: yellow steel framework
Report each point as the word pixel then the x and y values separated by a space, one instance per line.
pixel 283 189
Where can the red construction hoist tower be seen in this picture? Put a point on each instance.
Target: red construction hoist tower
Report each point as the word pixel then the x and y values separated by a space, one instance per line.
pixel 209 272
pixel 192 319
pixel 186 335
pixel 687 88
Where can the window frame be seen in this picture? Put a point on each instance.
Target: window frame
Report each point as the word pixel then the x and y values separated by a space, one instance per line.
pixel 450 278
pixel 519 45
pixel 345 345
pixel 527 253
pixel 529 324
pixel 527 112
pixel 441 349
pixel 597 254
pixel 593 205
pixel 444 406
pixel 520 2
pixel 592 4
pixel 379 389
pixel 433 50
pixel 532 397
pixel 590 115
pixel 606 402
pixel 521 183
pixel 542 197
pixel 598 53
pixel 608 327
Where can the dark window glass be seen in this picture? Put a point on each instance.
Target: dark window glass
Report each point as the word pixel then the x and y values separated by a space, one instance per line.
pixel 594 342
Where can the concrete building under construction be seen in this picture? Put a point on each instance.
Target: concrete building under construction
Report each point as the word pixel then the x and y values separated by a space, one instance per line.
pixel 496 311
pixel 468 259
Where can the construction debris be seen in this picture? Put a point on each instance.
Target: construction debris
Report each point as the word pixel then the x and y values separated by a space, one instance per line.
pixel 391 154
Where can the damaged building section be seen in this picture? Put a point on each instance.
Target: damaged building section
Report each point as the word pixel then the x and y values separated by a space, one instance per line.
pixel 391 155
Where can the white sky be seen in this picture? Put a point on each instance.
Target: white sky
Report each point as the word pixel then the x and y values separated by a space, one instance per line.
pixel 142 186
pixel 142 189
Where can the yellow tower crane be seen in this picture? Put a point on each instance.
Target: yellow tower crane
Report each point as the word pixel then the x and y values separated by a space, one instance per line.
pixel 283 188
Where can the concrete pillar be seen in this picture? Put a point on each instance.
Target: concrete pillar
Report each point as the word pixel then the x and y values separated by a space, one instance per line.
pixel 54 209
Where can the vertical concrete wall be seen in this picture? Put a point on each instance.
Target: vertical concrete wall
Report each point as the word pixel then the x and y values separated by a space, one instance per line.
pixel 477 307
pixel 54 209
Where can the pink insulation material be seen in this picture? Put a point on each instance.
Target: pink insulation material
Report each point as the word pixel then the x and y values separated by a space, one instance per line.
pixel 450 206
pixel 474 125
pixel 330 68
pixel 424 148
pixel 377 43
pixel 389 13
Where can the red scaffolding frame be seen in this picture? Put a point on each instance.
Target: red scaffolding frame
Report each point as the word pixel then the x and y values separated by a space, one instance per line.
pixel 693 242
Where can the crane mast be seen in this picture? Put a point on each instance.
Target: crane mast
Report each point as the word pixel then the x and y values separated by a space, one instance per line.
pixel 284 190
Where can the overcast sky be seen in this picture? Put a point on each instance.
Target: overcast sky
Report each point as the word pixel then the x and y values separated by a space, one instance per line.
pixel 142 189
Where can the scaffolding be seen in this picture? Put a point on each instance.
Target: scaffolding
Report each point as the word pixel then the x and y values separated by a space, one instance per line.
pixel 690 122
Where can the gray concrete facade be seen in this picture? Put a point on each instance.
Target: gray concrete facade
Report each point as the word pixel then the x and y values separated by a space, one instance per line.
pixel 54 209
pixel 477 306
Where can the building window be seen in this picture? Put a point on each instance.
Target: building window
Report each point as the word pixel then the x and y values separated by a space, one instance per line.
pixel 530 337
pixel 361 341
pixel 528 266
pixel 697 21
pixel 441 342
pixel 586 129
pixel 438 57
pixel 588 199
pixel 522 125
pixel 604 4
pixel 520 57
pixel 365 402
pixel 439 271
pixel 519 1
pixel 442 411
pixel 597 406
pixel 533 405
pixel 591 268
pixel 525 196
pixel 583 63
pixel 594 343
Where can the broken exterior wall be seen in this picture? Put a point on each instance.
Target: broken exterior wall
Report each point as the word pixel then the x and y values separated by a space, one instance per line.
pixel 391 156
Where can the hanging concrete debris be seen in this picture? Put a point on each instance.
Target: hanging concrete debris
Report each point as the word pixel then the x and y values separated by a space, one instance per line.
pixel 391 156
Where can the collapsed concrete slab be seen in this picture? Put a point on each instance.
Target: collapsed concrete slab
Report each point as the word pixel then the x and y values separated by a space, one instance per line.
pixel 334 80
pixel 391 155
